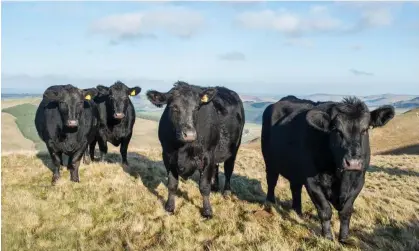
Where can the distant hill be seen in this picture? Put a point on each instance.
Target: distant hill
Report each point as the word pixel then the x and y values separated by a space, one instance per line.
pixel 412 103
pixel 254 109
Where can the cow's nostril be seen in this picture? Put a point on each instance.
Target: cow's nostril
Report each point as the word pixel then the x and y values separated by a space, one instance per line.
pixel 347 162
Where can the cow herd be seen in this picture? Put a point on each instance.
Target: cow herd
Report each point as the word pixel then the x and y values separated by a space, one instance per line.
pixel 323 146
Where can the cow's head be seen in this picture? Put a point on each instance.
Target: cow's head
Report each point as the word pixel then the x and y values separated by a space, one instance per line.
pixel 183 102
pixel 70 101
pixel 118 97
pixel 347 125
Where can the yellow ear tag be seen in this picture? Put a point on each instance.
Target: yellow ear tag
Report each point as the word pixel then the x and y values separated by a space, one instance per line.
pixel 133 93
pixel 204 98
pixel 88 97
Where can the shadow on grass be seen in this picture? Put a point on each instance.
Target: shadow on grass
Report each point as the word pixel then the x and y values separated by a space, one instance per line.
pixel 410 150
pixel 46 159
pixel 392 236
pixel 153 173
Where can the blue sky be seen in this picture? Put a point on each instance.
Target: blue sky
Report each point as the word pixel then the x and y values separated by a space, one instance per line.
pixel 265 47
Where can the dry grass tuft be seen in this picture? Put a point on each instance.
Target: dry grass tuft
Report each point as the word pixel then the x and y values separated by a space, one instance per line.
pixel 111 209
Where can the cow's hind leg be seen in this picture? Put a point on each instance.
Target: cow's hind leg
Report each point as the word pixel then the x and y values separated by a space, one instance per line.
pixel 296 197
pixel 103 147
pixel 228 172
pixel 86 157
pixel 215 185
pixel 92 149
pixel 56 161
pixel 272 180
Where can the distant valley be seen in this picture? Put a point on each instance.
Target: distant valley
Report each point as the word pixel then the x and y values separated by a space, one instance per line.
pixel 255 105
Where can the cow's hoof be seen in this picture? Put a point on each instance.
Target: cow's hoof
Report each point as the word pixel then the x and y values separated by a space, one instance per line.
pixel 347 241
pixel 75 179
pixel 55 178
pixel 298 212
pixel 268 206
pixel 328 236
pixel 227 194
pixel 207 213
pixel 125 166
pixel 169 207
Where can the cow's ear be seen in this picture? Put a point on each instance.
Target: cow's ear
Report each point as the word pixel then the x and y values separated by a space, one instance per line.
pixel 157 98
pixel 319 120
pixel 381 115
pixel 90 93
pixel 207 95
pixel 134 91
pixel 103 90
pixel 52 95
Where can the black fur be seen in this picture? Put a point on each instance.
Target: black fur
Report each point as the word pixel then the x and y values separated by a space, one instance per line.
pixel 118 131
pixel 60 104
pixel 217 122
pixel 315 145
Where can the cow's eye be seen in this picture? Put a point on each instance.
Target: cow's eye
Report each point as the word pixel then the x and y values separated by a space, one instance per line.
pixel 363 132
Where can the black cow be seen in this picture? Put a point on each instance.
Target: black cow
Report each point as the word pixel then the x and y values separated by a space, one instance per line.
pixel 199 128
pixel 323 146
pixel 66 120
pixel 117 118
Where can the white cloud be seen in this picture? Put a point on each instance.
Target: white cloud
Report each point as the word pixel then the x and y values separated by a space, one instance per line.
pixel 377 17
pixel 317 20
pixel 177 21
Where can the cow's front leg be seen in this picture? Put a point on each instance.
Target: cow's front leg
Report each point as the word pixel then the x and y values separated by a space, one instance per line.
pixel 173 181
pixel 346 211
pixel 124 150
pixel 205 189
pixel 56 161
pixel 322 205
pixel 73 165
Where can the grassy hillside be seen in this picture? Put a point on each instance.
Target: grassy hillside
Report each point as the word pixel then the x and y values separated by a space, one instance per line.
pixel 116 209
pixel 25 116
pixel 111 209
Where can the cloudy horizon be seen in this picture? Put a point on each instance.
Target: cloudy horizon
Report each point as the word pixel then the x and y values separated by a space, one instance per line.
pixel 354 48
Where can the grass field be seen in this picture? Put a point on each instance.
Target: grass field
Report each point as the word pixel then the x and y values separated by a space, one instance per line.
pixel 110 209
pixel 116 209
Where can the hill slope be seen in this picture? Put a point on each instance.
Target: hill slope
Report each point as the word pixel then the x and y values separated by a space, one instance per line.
pixel 110 209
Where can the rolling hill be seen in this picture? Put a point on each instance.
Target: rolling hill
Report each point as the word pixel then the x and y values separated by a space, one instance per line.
pixel 122 209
